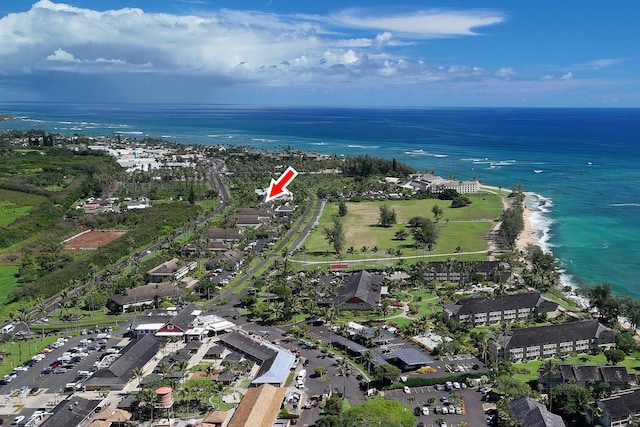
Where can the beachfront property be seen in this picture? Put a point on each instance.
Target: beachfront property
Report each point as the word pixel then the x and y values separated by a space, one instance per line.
pixel 444 271
pixel 427 183
pixel 596 377
pixel 618 410
pixel 500 309
pixel 552 341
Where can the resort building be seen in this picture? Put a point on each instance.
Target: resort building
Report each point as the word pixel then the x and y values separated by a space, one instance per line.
pixel 500 309
pixel 618 410
pixel 361 291
pixel 427 183
pixel 531 413
pixel 467 272
pixel 595 377
pixel 552 341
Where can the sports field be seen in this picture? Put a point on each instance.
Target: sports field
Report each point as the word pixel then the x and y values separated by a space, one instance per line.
pixel 92 240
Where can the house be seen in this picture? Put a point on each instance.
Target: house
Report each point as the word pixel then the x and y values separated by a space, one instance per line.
pixel 136 354
pixel 259 407
pixel 223 235
pixel 593 376
pixel 531 413
pixel 73 411
pixel 617 410
pixel 214 419
pixel 151 294
pixel 285 210
pixel 500 308
pixel 552 340
pixel 230 260
pixel 360 292
pixel 252 218
pixel 170 270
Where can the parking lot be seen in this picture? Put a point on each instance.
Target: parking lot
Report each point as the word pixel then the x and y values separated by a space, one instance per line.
pixel 44 383
pixel 468 400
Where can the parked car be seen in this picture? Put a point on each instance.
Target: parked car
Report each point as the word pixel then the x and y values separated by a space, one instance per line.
pixel 17 420
pixel 406 389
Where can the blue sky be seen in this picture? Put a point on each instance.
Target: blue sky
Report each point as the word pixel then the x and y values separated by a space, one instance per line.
pixel 292 52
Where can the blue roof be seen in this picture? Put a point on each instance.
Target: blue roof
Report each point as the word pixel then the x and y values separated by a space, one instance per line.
pixel 412 356
pixel 275 370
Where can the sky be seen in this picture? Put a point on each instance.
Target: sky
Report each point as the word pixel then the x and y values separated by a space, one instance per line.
pixel 494 53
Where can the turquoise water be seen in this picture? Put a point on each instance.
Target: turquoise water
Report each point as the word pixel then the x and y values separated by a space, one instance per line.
pixel 581 162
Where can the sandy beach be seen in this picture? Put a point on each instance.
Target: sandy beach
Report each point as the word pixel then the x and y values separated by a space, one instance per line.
pixel 528 235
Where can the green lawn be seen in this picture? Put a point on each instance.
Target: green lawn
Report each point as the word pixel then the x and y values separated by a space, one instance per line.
pixel 8 282
pixel 465 230
pixel 14 204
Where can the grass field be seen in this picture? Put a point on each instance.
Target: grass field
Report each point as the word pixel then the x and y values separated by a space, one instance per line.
pixel 8 282
pixel 464 231
pixel 14 204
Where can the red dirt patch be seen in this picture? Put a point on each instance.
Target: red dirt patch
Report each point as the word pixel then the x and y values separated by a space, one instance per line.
pixel 92 240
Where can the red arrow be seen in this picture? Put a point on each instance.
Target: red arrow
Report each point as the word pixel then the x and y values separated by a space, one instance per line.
pixel 278 188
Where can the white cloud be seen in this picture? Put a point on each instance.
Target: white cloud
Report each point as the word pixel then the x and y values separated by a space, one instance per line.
pixel 505 72
pixel 432 23
pixel 567 76
pixel 602 63
pixel 62 55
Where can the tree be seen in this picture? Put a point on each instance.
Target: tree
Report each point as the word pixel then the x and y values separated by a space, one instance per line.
pixel 437 212
pixel 384 412
pixel 626 342
pixel 614 356
pixel 330 421
pixel 342 208
pixel 335 235
pixel 426 234
pixel 191 198
pixel 387 216
pixel 512 387
pixel 138 374
pixel 334 405
pixel 386 373
pixel 570 399
pixel 320 371
pixel 460 202
pixel 401 234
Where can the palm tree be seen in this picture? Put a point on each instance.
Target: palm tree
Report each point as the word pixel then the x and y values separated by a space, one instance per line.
pixel 41 309
pixel 138 374
pixel 367 359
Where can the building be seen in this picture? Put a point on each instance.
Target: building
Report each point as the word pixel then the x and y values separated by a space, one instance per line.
pixel 259 407
pixel 360 292
pixel 151 294
pixel 230 260
pixel 531 413
pixel 170 271
pixel 500 308
pixel 456 272
pixel 552 340
pixel 427 183
pixel 135 355
pixel 74 411
pixel 617 410
pixel 596 377
pixel 285 210
pixel 275 362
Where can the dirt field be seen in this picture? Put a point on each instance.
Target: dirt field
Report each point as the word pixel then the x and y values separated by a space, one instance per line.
pixel 92 240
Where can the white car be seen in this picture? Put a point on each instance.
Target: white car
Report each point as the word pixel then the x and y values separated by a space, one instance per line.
pixel 425 410
pixel 17 420
pixel 406 389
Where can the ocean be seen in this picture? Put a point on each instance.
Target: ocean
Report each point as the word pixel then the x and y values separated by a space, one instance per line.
pixel 580 165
